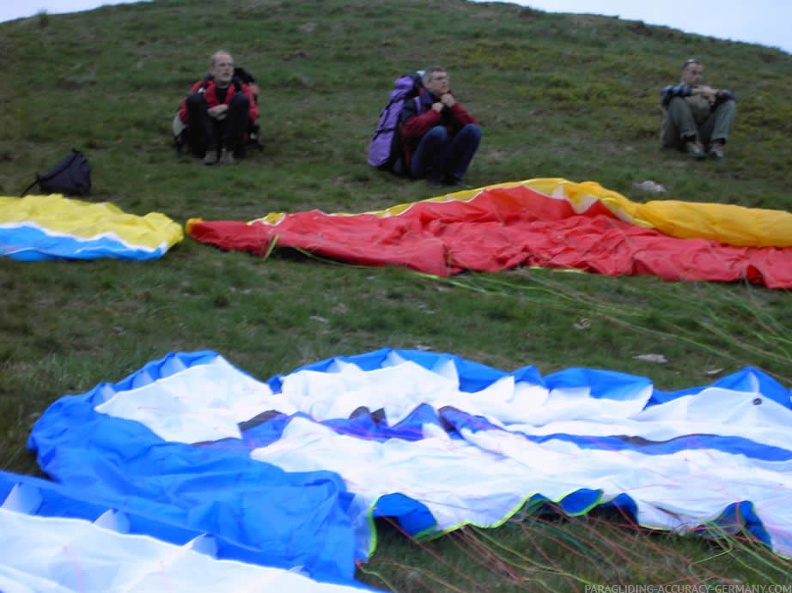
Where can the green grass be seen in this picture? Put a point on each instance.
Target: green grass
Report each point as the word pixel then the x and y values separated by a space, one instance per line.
pixel 570 96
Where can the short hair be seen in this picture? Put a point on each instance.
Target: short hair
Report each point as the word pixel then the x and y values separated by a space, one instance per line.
pixel 430 71
pixel 213 57
pixel 689 62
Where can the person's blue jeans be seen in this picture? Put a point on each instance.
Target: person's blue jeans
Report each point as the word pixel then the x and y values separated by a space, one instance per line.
pixel 444 160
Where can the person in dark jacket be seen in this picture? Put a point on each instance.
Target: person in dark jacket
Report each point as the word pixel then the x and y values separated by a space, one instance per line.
pixel 695 113
pixel 439 137
pixel 218 111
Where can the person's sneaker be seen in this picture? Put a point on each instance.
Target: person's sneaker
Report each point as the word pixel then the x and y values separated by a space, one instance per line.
pixel 210 158
pixel 695 150
pixel 716 150
pixel 458 183
pixel 227 158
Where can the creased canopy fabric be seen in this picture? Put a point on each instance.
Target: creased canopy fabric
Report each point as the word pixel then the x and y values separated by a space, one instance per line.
pixel 290 472
pixel 57 541
pixel 551 223
pixel 36 228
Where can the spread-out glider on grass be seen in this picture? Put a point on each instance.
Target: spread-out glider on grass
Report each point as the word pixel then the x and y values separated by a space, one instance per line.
pixel 290 472
pixel 551 223
pixel 36 228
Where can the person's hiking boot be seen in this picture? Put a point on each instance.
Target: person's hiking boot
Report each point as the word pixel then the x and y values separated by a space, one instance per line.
pixel 210 158
pixel 227 157
pixel 716 150
pixel 695 150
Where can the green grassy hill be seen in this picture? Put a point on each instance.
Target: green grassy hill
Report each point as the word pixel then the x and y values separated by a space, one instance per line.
pixel 568 96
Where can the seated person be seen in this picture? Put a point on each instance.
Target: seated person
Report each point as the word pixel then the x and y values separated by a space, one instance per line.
pixel 438 135
pixel 695 113
pixel 218 112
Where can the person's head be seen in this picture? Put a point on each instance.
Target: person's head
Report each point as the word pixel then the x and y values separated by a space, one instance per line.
pixel 692 71
pixel 435 79
pixel 221 67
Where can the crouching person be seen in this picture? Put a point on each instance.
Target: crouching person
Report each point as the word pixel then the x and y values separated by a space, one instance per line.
pixel 218 112
pixel 439 136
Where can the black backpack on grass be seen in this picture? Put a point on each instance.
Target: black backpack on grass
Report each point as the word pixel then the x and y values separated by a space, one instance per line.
pixel 70 177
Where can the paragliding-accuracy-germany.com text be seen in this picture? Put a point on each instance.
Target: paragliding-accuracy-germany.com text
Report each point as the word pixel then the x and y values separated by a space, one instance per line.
pixel 713 588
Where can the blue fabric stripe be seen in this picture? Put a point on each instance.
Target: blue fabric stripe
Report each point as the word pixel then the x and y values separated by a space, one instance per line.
pixel 26 243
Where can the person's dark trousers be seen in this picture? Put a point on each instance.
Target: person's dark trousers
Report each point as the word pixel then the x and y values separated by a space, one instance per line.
pixel 205 134
pixel 236 123
pixel 441 160
pixel 200 131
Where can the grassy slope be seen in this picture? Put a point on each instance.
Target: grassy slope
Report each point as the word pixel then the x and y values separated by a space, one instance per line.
pixel 558 95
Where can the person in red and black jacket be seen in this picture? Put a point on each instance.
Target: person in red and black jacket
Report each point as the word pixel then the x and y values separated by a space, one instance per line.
pixel 218 111
pixel 439 137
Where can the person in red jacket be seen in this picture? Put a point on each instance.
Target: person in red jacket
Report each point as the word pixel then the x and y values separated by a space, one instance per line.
pixel 218 111
pixel 439 137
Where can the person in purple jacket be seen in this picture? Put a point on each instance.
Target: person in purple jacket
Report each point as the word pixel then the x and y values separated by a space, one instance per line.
pixel 696 114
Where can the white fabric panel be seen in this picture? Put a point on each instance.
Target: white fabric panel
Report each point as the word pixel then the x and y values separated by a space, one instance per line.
pixel 52 555
pixel 713 411
pixel 200 403
pixel 482 479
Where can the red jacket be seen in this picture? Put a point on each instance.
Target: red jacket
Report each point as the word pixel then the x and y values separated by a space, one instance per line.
pixel 417 121
pixel 210 94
